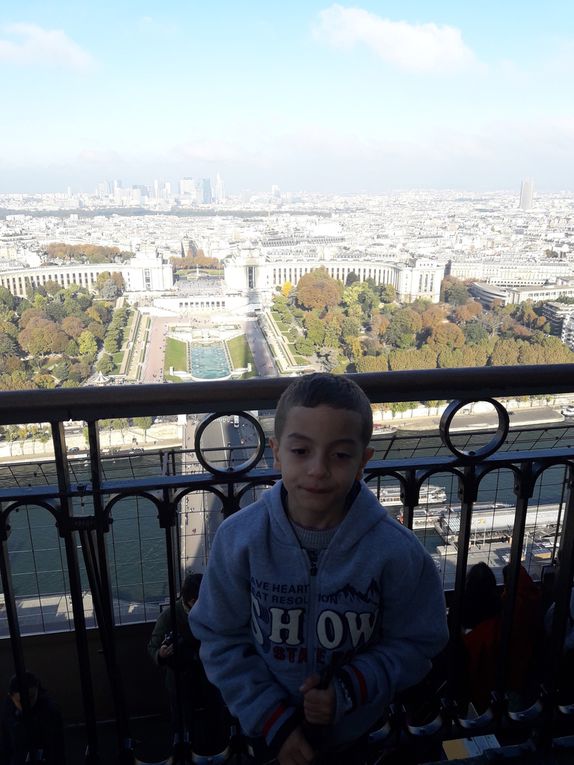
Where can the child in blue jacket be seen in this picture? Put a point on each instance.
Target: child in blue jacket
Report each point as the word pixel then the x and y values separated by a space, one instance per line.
pixel 316 585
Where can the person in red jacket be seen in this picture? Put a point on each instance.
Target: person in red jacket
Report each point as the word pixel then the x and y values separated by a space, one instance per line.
pixel 482 621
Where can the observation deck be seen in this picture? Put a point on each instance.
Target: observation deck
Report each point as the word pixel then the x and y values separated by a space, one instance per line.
pixel 94 545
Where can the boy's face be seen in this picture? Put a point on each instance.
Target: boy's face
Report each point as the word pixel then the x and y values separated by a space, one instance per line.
pixel 32 696
pixel 320 455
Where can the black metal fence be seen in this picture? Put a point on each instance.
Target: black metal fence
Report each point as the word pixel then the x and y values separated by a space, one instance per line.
pixel 470 491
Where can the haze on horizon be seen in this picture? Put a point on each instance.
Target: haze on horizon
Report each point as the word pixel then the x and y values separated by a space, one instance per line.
pixel 326 97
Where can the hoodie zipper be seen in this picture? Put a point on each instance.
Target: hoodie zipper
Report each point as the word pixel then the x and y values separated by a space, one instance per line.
pixel 313 559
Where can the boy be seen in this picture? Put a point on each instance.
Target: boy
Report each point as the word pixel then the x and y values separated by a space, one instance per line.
pixel 204 714
pixel 319 606
pixel 46 726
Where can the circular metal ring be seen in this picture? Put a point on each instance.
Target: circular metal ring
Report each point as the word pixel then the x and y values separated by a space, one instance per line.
pixel 244 466
pixel 474 455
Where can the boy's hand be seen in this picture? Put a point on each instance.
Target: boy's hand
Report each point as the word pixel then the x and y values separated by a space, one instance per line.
pixel 318 705
pixel 165 651
pixel 296 750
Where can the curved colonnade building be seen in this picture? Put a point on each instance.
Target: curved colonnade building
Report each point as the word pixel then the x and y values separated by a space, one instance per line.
pixel 254 270
pixel 144 273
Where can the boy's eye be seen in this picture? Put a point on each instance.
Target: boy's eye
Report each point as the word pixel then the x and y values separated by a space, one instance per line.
pixel 299 451
pixel 342 456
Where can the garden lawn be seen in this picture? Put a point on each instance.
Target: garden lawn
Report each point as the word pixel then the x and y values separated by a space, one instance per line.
pixel 175 356
pixel 241 355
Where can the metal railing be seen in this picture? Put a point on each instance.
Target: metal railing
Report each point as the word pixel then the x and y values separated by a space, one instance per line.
pixel 83 504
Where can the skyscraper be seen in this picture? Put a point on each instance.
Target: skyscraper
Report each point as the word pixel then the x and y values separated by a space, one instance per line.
pixel 219 190
pixel 187 187
pixel 526 194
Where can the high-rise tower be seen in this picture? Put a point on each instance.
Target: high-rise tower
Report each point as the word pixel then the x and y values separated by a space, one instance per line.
pixel 526 194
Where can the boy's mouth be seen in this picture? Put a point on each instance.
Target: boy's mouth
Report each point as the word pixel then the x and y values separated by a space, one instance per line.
pixel 315 490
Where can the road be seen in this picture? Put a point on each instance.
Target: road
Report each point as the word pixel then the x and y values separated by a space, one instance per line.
pixel 519 418
pixel 259 349
pixel 155 351
pixel 223 446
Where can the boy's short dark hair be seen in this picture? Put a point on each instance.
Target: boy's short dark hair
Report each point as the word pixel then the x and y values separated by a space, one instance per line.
pixel 321 388
pixel 30 681
pixel 190 587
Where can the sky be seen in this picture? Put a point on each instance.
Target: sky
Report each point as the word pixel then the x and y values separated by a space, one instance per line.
pixel 311 96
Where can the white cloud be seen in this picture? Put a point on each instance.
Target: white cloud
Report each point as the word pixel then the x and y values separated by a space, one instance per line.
pixel 28 44
pixel 415 47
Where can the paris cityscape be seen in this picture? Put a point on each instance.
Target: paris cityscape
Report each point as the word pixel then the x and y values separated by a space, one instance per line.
pixel 348 189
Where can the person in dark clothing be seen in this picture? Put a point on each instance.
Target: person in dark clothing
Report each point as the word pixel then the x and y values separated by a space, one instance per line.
pixel 47 742
pixel 482 621
pixel 205 716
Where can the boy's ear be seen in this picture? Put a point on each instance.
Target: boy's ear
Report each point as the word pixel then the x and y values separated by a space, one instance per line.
pixel 274 444
pixel 367 454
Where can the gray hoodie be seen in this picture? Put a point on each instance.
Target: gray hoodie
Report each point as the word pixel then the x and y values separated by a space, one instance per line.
pixel 371 611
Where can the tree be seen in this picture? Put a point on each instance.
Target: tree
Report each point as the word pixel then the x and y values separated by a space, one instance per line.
pixel 388 293
pixel 505 353
pixel 61 370
pixel 304 346
pixel 318 290
pixel 379 324
pixel 105 364
pixel 121 424
pixel 97 330
pixel 87 345
pixel 433 316
pixel 7 299
pixel 425 358
pixel 112 343
pixel 144 423
pixel 373 364
pixel 73 326
pixel 8 346
pixel 350 327
pixel 351 278
pixel 404 324
pixel 475 332
pixel 71 348
pixel 43 337
pixel 454 291
pixel 467 311
pixel 315 329
pixel 446 335
pixel 287 289
pixel 44 380
pixel 31 315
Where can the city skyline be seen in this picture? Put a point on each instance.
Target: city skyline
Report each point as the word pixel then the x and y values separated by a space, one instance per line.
pixel 324 97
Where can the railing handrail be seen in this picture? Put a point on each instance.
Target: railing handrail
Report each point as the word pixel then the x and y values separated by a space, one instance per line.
pixel 61 404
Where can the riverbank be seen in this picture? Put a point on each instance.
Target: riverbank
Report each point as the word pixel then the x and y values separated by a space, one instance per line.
pixel 162 435
pixel 485 420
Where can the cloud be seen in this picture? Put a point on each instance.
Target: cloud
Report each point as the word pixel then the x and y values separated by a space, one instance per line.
pixel 414 47
pixel 29 44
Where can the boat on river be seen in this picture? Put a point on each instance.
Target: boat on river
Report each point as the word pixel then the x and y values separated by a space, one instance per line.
pixel 390 496
pixel 493 521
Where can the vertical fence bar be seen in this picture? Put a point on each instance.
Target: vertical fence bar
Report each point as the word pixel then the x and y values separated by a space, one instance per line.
pixel 101 576
pixel 168 521
pixel 13 624
pixel 564 576
pixel 523 487
pixel 80 632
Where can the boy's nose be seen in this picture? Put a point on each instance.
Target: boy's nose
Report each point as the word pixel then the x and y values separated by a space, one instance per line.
pixel 318 466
